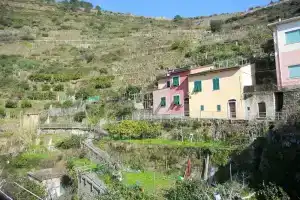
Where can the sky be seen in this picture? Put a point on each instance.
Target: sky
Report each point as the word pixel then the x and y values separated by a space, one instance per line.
pixel 170 8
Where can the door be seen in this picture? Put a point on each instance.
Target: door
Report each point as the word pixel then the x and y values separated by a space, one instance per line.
pixel 232 108
pixel 262 111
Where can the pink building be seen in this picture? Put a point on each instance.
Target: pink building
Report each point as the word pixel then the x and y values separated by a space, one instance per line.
pixel 171 97
pixel 287 52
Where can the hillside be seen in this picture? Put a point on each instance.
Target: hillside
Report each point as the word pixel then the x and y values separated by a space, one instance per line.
pixel 44 46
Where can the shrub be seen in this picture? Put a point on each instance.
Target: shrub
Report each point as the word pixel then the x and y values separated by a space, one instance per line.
pixel 11 104
pixel 46 87
pixel 103 71
pixel 2 113
pixel 26 104
pixel 134 129
pixel 180 45
pixel 45 34
pixel 84 93
pixel 78 117
pixel 59 87
pixel 216 25
pixel 103 82
pixel 67 104
pixel 41 96
pixel 70 143
pixel 24 85
pixel 271 192
pixel 177 18
pixel 40 77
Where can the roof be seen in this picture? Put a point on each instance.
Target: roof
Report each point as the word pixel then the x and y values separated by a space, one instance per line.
pixel 46 174
pixel 173 71
pixel 284 21
pixel 216 70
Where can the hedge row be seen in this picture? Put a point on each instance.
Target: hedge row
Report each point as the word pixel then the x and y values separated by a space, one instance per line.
pixel 54 77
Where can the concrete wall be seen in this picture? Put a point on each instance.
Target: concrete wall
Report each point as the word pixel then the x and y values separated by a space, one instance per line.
pixel 163 91
pixel 63 131
pixel 251 105
pixel 231 82
pixel 30 121
pixel 286 54
pixel 90 186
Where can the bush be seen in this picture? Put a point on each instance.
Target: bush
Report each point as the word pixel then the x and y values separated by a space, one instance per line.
pixel 26 104
pixel 271 192
pixel 78 117
pixel 216 25
pixel 134 130
pixel 41 96
pixel 103 82
pixel 67 104
pixel 46 87
pixel 70 143
pixel 45 34
pixel 180 45
pixel 11 104
pixel 2 113
pixel 177 18
pixel 59 87
pixel 84 93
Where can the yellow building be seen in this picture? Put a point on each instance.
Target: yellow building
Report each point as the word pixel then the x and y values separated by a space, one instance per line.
pixel 218 92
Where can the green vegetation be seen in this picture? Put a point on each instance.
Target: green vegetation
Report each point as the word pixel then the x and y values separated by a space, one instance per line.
pixel 26 104
pixel 204 145
pixel 11 104
pixel 70 143
pixel 216 25
pixel 151 182
pixel 2 112
pixel 78 117
pixel 134 130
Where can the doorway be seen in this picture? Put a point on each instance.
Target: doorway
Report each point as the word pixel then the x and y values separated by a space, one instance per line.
pixel 232 108
pixel 262 110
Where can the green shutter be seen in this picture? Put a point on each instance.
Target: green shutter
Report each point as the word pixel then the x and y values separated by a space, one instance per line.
pixel 219 108
pixel 202 108
pixel 176 100
pixel 163 102
pixel 216 84
pixel 176 81
pixel 197 86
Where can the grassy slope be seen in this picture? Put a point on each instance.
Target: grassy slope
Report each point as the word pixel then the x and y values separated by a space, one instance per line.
pixel 133 49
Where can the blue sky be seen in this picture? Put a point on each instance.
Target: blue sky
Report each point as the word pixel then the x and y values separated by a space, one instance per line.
pixel 170 8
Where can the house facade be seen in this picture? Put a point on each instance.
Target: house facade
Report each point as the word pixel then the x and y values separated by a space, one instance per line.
pixel 171 96
pixel 286 35
pixel 218 92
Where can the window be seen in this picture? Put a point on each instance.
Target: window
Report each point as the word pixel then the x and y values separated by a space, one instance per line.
pixel 202 107
pixel 294 71
pixel 168 84
pixel 292 37
pixel 163 102
pixel 197 86
pixel 216 84
pixel 176 81
pixel 176 100
pixel 219 108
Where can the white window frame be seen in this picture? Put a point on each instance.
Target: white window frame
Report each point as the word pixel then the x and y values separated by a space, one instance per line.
pixel 179 99
pixel 178 80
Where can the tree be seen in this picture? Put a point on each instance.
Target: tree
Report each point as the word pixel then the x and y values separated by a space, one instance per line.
pixel 177 18
pixel 98 8
pixel 216 25
pixel 86 5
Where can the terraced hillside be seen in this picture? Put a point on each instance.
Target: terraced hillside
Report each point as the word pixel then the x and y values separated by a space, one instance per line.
pixel 49 48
